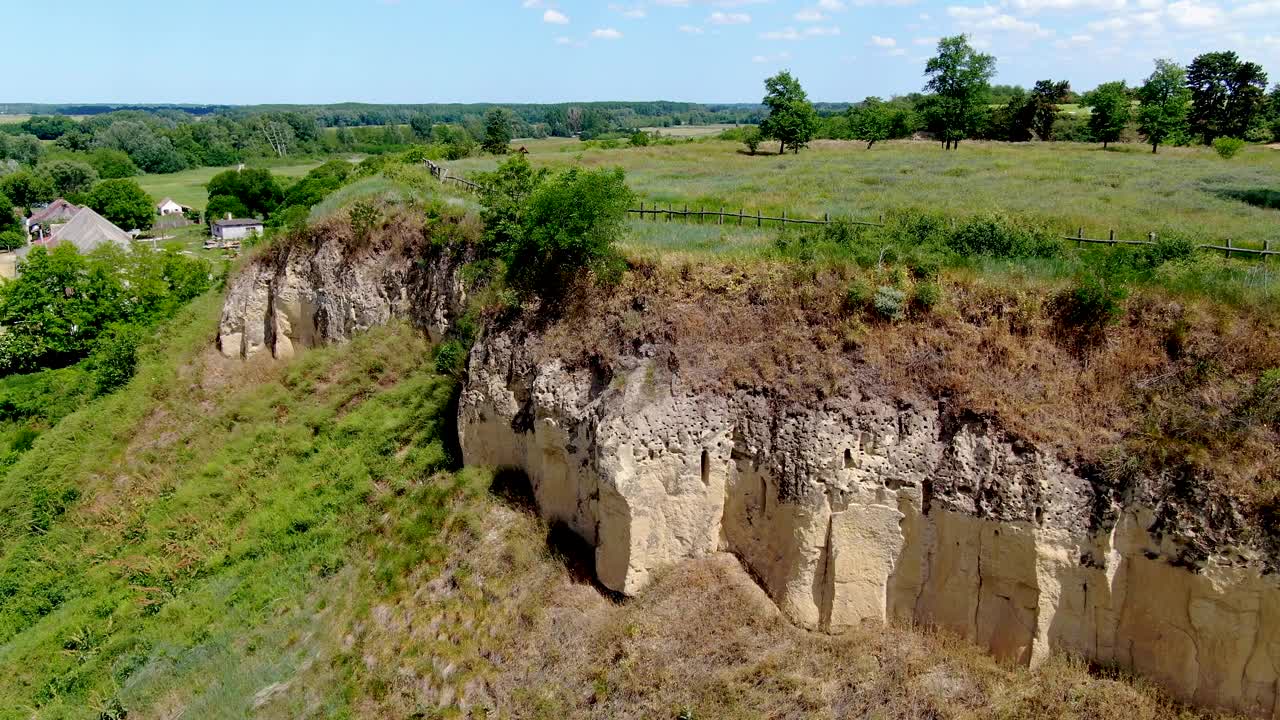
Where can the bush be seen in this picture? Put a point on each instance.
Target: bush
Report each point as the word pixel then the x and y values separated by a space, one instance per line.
pixel 751 138
pixel 857 296
pixel 12 239
pixel 364 216
pixel 570 222
pixel 927 295
pixel 1000 237
pixel 890 302
pixel 1084 310
pixel 1228 148
pixel 114 357
pixel 640 139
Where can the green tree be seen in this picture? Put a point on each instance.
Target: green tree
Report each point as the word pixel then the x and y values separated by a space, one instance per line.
pixel 421 125
pixel 27 189
pixel 124 203
pixel 220 206
pixel 872 121
pixel 12 234
pixel 751 138
pixel 497 131
pixel 69 177
pixel 148 149
pixel 792 121
pixel 25 149
pixel 49 127
pixel 504 199
pixel 1111 111
pixel 1015 120
pixel 1164 99
pixel 567 224
pixel 1045 97
pixel 959 77
pixel 112 164
pixel 58 304
pixel 256 189
pixel 1227 95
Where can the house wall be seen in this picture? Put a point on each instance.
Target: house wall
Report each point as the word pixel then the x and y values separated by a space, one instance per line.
pixel 236 233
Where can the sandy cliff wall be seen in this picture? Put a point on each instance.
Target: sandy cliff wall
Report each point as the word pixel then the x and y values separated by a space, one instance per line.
pixel 865 507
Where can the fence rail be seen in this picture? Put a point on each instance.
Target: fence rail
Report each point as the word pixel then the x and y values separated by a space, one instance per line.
pixel 654 212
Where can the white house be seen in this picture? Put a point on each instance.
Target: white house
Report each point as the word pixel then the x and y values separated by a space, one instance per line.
pixel 168 207
pixel 236 229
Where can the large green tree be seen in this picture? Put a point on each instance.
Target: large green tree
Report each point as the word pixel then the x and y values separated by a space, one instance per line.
pixel 1227 95
pixel 1164 100
pixel 874 120
pixel 792 121
pixel 69 177
pixel 959 77
pixel 256 189
pixel 1111 109
pixel 497 131
pixel 1044 99
pixel 124 203
pixel 27 188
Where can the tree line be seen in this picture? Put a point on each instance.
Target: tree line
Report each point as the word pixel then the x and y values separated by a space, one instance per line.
pixel 1217 100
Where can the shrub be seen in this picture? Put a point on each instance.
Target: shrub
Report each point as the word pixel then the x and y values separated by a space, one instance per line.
pixel 571 223
pixel 927 295
pixel 890 302
pixel 451 359
pixel 857 296
pixel 114 357
pixel 1000 237
pixel 11 239
pixel 639 139
pixel 364 216
pixel 751 138
pixel 1084 310
pixel 1228 148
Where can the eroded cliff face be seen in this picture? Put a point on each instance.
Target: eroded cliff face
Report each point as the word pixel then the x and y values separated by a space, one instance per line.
pixel 861 507
pixel 327 290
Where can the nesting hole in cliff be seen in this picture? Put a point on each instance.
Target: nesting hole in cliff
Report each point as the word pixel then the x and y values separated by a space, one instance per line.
pixel 848 459
pixel 1039 516
pixel 706 467
pixel 511 485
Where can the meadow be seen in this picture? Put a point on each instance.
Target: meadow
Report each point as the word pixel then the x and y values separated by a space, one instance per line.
pixel 1188 192
pixel 188 187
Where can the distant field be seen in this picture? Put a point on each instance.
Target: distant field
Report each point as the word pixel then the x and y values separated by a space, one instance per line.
pixel 188 187
pixel 23 118
pixel 687 131
pixel 1186 190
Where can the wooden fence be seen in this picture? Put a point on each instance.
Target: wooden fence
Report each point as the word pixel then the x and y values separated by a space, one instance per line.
pixel 719 217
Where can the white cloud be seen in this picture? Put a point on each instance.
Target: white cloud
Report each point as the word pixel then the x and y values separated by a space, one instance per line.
pixel 690 29
pixel 634 12
pixel 606 34
pixel 925 41
pixel 555 17
pixel 777 57
pixel 884 42
pixel 810 15
pixel 724 18
pixel 1033 6
pixel 1194 14
pixel 790 33
pixel 833 5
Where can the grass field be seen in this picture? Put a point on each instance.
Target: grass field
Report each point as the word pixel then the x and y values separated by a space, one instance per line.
pixel 690 131
pixel 188 187
pixel 1070 186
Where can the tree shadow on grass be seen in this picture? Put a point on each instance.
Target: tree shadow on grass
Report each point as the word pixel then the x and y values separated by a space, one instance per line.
pixel 511 485
pixel 1265 198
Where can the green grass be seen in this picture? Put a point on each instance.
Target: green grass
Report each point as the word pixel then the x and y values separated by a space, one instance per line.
pixel 188 187
pixel 169 545
pixel 1068 185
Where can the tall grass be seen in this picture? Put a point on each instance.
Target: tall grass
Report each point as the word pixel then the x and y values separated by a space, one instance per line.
pixel 153 540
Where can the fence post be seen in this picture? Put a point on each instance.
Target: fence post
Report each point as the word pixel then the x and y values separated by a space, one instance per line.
pixel 1080 238
pixel 741 212
pixel 784 219
pixel 1151 238
pixel 1266 248
pixel 686 214
pixel 1228 247
pixel 758 217
pixel 668 212
pixel 1111 235
pixel 721 221
pixel 826 218
pixel 641 209
pixel 953 222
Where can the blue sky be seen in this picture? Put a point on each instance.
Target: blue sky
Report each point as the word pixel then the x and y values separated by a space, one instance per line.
pixel 256 51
